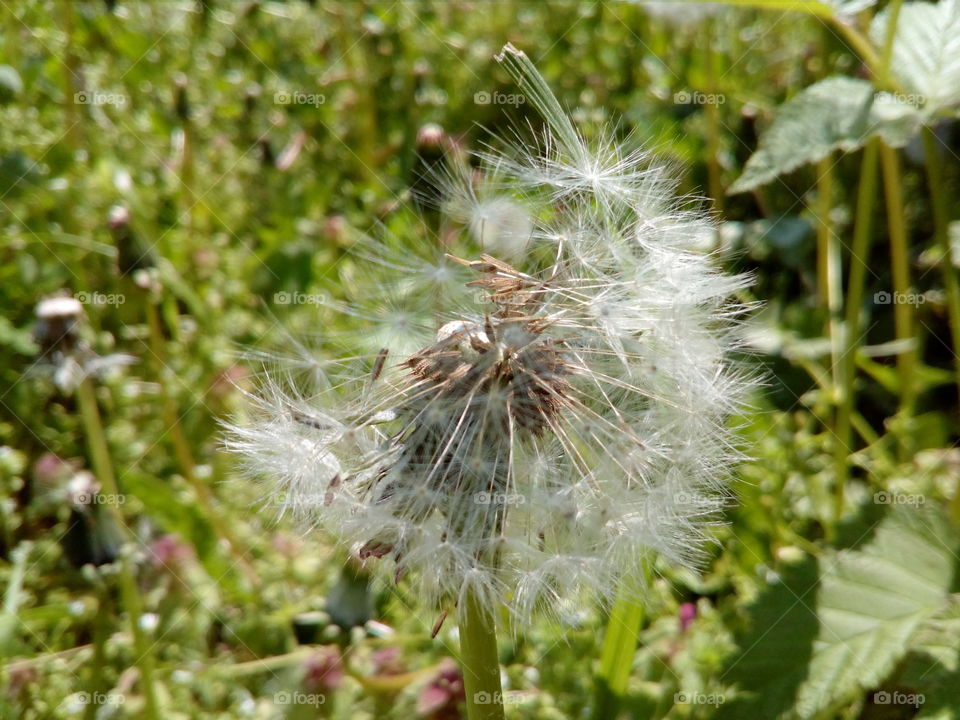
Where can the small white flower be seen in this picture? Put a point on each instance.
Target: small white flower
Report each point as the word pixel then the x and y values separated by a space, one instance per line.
pixel 569 417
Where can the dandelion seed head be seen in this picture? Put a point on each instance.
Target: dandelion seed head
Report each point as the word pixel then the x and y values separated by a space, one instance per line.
pixel 559 413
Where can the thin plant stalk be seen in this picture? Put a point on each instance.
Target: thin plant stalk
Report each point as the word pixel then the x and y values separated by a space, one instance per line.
pixel 129 591
pixel 101 633
pixel 829 264
pixel 70 73
pixel 479 660
pixel 941 220
pixel 822 209
pixel 859 253
pixel 712 111
pixel 903 312
pixel 856 283
pixel 619 647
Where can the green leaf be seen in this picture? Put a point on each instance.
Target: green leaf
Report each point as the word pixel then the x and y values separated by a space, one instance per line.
pixel 871 602
pixel 776 648
pixel 933 667
pixel 926 51
pixel 815 644
pixel 12 598
pixel 838 113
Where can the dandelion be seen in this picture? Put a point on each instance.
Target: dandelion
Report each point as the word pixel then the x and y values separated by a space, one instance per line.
pixel 566 419
pixel 64 354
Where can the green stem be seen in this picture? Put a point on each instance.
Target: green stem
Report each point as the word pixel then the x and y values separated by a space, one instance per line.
pixel 859 253
pixel 858 269
pixel 70 74
pixel 619 647
pixel 101 633
pixel 903 312
pixel 478 657
pixel 96 438
pixel 822 209
pixel 103 468
pixel 712 110
pixel 829 264
pixel 857 41
pixel 941 221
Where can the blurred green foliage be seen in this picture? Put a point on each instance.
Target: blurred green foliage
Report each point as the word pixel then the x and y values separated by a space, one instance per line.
pixel 250 143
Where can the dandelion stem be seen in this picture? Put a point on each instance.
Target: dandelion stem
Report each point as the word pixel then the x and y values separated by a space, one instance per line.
pixel 478 657
pixel 129 592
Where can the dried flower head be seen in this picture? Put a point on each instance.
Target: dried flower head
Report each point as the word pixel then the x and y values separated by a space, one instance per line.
pixel 64 355
pixel 534 428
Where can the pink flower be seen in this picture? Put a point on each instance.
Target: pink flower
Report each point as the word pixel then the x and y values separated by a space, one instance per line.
pixel 688 613
pixel 441 696
pixel 322 670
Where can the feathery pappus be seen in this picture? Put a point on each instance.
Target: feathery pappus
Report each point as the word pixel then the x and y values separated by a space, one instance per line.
pixel 543 424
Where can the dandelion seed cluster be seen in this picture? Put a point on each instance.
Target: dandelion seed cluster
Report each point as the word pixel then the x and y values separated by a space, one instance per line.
pixel 536 428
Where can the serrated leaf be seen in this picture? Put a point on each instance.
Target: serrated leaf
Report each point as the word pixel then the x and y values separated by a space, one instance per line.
pixel 815 644
pixel 926 51
pixel 838 113
pixel 932 670
pixel 871 602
